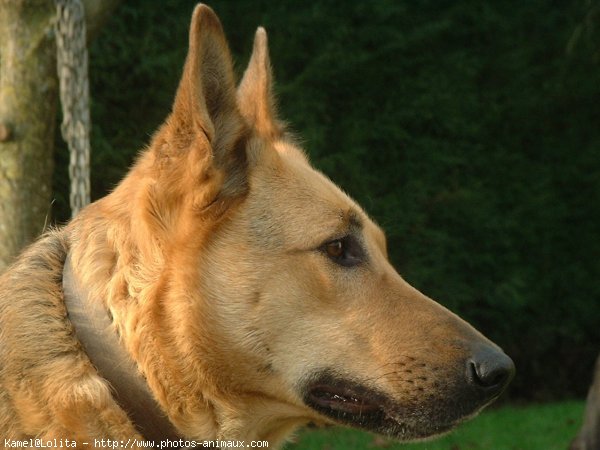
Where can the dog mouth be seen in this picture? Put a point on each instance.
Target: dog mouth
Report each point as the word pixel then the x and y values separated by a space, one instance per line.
pixel 354 404
pixel 347 402
pixel 342 399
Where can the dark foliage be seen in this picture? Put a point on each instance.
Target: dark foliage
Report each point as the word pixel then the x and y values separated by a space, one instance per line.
pixel 469 130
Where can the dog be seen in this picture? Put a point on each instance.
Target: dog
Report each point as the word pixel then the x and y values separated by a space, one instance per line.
pixel 245 295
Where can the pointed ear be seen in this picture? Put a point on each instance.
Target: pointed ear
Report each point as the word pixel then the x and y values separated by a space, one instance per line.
pixel 255 96
pixel 205 97
pixel 202 141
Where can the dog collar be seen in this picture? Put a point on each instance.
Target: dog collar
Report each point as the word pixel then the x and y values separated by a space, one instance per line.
pixel 94 329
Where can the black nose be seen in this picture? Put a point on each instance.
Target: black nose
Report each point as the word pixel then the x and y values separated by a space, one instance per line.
pixel 490 370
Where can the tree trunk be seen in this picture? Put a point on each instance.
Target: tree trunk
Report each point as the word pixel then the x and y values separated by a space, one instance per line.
pixel 589 435
pixel 28 96
pixel 28 99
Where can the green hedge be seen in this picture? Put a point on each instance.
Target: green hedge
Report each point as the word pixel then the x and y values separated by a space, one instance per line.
pixel 469 130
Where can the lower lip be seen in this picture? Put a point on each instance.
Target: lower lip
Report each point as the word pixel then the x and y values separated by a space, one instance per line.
pixel 344 402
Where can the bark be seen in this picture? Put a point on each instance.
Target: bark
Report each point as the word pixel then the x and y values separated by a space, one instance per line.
pixel 589 435
pixel 28 102
pixel 28 95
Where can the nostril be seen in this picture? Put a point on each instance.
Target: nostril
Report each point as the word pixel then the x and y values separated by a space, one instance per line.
pixel 490 369
pixel 485 377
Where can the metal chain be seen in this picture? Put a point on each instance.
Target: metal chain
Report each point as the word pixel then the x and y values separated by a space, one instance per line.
pixel 72 66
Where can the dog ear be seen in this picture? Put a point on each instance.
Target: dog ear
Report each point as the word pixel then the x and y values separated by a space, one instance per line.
pixel 201 146
pixel 255 96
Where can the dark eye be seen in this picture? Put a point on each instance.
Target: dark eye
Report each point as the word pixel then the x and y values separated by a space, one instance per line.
pixel 346 251
pixel 335 249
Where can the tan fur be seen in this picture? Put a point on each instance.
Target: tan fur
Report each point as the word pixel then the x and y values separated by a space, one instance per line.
pixel 208 255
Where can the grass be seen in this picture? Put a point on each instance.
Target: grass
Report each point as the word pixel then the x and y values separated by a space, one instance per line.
pixel 533 427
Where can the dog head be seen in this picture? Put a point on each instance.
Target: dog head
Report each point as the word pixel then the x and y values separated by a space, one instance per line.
pixel 275 299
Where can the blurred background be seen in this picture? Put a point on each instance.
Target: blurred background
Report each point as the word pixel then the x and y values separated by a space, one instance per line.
pixel 469 130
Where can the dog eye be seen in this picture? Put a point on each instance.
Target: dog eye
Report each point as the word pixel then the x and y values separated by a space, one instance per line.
pixel 335 249
pixel 346 251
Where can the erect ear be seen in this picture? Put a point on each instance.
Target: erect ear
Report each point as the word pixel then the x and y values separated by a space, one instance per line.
pixel 255 96
pixel 202 139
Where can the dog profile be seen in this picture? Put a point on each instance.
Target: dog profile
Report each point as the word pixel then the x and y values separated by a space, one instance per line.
pixel 247 292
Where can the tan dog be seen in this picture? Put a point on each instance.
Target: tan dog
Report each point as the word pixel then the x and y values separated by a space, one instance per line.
pixel 252 294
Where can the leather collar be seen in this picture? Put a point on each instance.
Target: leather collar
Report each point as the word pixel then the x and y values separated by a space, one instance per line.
pixel 94 329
